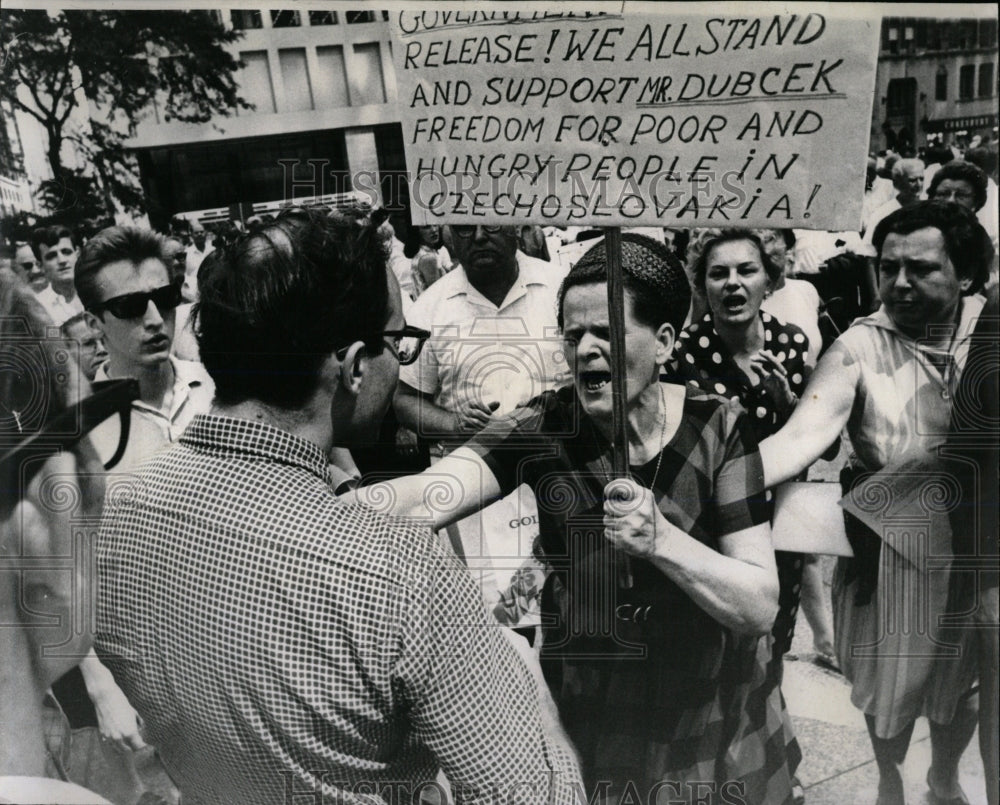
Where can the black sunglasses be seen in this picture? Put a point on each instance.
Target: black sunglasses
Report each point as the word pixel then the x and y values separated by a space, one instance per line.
pixel 406 343
pixel 468 230
pixel 134 305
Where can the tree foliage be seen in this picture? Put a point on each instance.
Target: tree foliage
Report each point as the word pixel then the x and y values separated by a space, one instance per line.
pixel 121 62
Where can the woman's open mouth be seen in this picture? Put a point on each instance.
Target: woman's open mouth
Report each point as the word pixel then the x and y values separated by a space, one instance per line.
pixel 734 302
pixel 594 381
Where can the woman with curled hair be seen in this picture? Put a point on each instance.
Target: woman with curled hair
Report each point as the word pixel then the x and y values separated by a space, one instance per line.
pixel 740 352
pixel 660 685
pixel 961 182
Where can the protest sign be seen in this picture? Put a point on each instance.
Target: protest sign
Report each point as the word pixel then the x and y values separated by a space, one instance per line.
pixel 807 520
pixel 907 505
pixel 672 117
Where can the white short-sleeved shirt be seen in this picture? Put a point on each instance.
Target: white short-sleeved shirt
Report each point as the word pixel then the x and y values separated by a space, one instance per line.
pixel 151 429
pixel 479 351
pixel 56 305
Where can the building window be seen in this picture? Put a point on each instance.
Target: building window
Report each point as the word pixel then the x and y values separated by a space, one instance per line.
pixel 986 80
pixel 322 17
pixel 987 33
pixel 245 20
pixel 941 85
pixel 359 16
pixel 901 96
pixel 890 38
pixel 330 81
pixel 936 34
pixel 285 19
pixel 255 80
pixel 968 33
pixel 367 84
pixel 967 82
pixel 297 94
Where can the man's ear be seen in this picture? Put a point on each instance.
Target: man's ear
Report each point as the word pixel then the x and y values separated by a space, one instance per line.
pixel 667 338
pixel 353 367
pixel 94 322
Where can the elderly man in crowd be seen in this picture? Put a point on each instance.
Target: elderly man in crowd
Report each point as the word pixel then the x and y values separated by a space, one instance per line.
pixel 277 642
pixel 908 182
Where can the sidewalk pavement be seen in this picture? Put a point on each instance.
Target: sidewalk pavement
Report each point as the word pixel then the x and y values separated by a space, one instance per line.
pixel 838 767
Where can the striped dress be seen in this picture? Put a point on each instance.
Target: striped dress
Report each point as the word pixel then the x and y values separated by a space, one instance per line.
pixel 657 697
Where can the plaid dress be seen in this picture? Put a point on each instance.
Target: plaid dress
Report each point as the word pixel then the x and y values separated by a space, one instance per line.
pixel 655 694
pixel 704 362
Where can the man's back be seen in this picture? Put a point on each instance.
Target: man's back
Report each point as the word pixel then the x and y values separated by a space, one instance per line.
pixel 278 642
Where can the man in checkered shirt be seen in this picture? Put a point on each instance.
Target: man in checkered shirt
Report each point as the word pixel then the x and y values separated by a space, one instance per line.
pixel 280 645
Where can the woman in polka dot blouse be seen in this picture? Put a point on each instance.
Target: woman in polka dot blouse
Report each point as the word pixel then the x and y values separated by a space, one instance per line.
pixel 739 352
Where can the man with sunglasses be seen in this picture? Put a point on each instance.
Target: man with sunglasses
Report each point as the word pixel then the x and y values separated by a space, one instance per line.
pixel 131 295
pixel 493 348
pixel 280 644
pixel 123 280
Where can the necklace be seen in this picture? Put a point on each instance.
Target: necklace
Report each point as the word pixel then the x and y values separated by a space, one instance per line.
pixel 663 434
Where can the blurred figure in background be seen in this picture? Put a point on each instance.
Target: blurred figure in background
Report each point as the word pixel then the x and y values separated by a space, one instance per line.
pixel 42 448
pixel 57 252
pixel 27 266
pixel 429 257
pixel 92 351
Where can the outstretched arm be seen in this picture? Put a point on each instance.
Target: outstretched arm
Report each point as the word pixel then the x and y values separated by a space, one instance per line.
pixel 455 487
pixel 816 422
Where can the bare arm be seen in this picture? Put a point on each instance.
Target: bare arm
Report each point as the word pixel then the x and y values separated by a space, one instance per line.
pixel 738 588
pixel 117 719
pixel 417 411
pixel 455 487
pixel 816 422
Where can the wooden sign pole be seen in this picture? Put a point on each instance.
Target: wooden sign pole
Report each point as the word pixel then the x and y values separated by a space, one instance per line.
pixel 616 321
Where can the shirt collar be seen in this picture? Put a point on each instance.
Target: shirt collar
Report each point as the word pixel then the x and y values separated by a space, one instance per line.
pixel 187 375
pixel 186 372
pixel 529 272
pixel 970 308
pixel 225 434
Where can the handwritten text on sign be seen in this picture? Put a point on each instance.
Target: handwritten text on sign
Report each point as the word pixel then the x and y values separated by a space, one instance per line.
pixel 670 120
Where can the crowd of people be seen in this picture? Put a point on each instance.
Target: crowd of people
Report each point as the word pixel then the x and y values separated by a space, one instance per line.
pixel 362 538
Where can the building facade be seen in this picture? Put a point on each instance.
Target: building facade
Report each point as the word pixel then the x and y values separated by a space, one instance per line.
pixel 15 194
pixel 936 81
pixel 324 122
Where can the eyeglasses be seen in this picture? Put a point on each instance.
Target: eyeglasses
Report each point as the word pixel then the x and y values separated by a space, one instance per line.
pixel 406 343
pixel 953 195
pixel 466 231
pixel 134 305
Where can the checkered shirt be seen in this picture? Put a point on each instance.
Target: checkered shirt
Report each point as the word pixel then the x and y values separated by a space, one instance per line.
pixel 284 647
